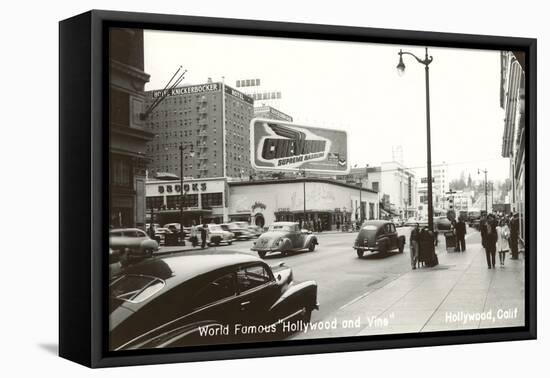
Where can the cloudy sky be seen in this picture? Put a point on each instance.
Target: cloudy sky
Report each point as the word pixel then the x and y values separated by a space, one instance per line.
pixel 355 86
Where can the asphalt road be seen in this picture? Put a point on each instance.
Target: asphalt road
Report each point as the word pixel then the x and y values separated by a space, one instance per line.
pixel 341 276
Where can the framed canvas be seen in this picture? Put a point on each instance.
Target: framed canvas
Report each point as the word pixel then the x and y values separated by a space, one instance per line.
pixel 237 188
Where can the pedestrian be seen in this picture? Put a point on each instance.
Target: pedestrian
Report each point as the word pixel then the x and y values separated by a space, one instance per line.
pixel 427 248
pixel 151 231
pixel 503 234
pixel 514 236
pixel 204 235
pixel 489 240
pixel 194 238
pixel 460 232
pixel 413 243
pixel 338 224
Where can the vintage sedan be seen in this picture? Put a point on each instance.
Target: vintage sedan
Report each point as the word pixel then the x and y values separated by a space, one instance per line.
pixel 284 237
pixel 378 235
pixel 133 242
pixel 240 232
pixel 217 235
pixel 205 298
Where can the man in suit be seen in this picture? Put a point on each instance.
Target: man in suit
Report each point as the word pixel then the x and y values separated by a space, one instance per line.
pixel 460 230
pixel 514 236
pixel 489 240
pixel 413 244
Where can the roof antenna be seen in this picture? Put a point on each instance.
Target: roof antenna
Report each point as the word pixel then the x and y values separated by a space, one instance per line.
pixel 164 93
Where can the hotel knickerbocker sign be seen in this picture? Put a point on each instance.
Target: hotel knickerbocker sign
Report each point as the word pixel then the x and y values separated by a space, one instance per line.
pixel 284 146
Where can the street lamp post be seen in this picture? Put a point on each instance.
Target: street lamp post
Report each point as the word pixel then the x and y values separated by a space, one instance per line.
pixel 182 148
pixel 485 172
pixel 304 178
pixel 401 69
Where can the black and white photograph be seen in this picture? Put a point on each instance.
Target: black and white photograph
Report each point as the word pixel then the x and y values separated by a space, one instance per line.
pixel 266 189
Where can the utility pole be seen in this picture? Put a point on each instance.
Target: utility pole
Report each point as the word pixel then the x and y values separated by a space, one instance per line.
pixel 485 172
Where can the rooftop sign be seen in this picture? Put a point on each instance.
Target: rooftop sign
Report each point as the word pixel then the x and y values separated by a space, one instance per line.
pixel 284 146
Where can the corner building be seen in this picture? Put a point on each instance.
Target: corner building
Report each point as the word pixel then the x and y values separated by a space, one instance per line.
pixel 214 117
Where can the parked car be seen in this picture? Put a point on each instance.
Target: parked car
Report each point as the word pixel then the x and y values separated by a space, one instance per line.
pixel 176 228
pixel 398 222
pixel 241 233
pixel 171 301
pixel 442 224
pixel 217 235
pixel 256 231
pixel 378 235
pixel 147 225
pixel 166 237
pixel 133 242
pixel 284 237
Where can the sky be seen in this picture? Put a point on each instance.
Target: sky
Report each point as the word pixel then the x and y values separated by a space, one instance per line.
pixel 356 87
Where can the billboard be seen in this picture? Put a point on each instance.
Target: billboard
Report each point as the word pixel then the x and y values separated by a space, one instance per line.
pixel 285 146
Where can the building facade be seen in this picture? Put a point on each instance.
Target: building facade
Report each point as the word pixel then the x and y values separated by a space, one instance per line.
pixel 214 118
pixel 128 135
pixel 203 200
pixel 440 186
pixel 218 200
pixel 459 200
pixel 333 202
pixel 399 184
pixel 512 101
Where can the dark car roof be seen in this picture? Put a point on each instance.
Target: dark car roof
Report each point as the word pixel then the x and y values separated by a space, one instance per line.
pixel 175 271
pixel 377 223
pixel 192 264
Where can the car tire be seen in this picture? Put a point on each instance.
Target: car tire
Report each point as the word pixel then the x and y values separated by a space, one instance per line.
pixel 229 243
pixel 262 254
pixel 311 247
pixel 306 317
pixel 401 246
pixel 360 253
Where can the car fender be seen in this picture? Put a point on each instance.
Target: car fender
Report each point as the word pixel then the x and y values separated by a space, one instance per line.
pixel 402 240
pixel 149 244
pixel 297 295
pixel 384 243
pixel 310 239
pixel 286 246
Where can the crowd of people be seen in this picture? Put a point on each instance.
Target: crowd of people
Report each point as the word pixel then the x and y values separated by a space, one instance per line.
pixel 499 234
pixel 422 242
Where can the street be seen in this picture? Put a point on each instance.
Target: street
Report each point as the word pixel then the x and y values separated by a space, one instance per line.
pixel 384 288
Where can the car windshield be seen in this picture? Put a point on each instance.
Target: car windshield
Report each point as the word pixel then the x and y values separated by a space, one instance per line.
pixel 215 227
pixel 280 227
pixel 135 288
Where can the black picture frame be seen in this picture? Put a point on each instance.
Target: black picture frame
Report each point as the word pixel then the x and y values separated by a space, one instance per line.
pixel 83 196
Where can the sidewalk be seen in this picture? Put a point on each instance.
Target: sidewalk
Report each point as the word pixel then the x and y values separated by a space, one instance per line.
pixel 460 293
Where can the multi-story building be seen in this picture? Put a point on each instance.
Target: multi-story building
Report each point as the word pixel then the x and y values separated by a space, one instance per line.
pixel 512 100
pixel 440 186
pixel 269 112
pixel 128 135
pixel 395 184
pixel 214 118
pixel 399 183
pixel 459 200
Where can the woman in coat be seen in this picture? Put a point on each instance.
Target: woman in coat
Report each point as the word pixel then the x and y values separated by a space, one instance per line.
pixel 503 234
